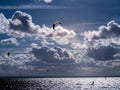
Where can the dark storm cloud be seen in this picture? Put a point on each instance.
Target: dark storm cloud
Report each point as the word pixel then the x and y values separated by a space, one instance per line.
pixel 22 21
pixel 104 44
pixel 55 54
pixel 103 53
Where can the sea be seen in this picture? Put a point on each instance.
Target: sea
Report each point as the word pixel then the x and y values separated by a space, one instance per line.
pixel 79 83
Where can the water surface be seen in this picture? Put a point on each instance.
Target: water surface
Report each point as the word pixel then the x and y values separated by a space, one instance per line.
pixel 60 84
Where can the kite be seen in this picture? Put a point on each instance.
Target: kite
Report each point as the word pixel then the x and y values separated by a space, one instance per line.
pixel 55 24
pixel 9 53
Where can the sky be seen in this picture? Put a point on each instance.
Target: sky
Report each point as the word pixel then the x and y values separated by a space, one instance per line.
pixel 86 43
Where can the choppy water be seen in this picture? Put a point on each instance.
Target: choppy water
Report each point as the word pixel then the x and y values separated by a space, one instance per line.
pixel 60 84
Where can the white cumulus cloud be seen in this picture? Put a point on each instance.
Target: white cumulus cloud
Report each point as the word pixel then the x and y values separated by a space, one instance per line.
pixel 48 1
pixel 9 41
pixel 23 22
pixel 103 44
pixel 55 43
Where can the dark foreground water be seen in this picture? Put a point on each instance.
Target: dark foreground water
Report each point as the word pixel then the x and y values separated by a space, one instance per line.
pixel 60 84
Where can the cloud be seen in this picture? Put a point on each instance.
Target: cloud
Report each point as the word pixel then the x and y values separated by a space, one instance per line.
pixel 55 54
pixel 34 45
pixel 62 36
pixel 110 31
pixel 62 32
pixel 48 1
pixel 21 25
pixel 22 21
pixel 16 62
pixel 4 23
pixel 58 48
pixel 103 53
pixel 9 41
pixel 5 28
pixel 103 44
pixel 64 45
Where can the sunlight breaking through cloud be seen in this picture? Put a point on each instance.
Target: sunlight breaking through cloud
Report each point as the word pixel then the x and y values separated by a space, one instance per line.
pixel 60 46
